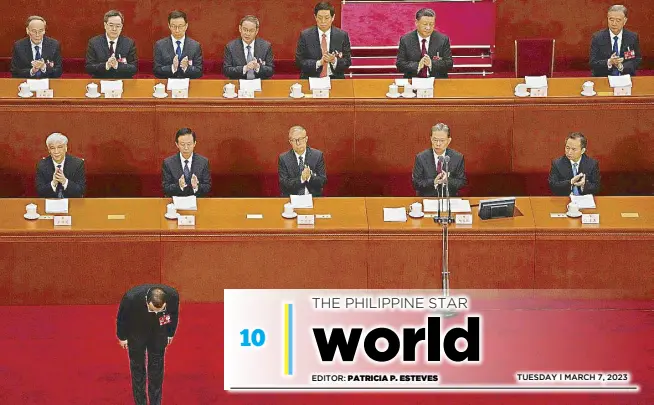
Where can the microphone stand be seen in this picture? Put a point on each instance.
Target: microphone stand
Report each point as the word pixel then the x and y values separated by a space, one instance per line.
pixel 445 221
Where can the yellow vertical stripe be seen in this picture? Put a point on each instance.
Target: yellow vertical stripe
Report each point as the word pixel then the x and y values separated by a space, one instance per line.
pixel 286 339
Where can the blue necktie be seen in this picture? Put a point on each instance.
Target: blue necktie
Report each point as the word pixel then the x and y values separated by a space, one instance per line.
pixel 616 51
pixel 248 59
pixel 187 173
pixel 575 189
pixel 178 51
pixel 37 57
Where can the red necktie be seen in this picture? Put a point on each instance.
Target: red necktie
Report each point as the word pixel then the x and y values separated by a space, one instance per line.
pixel 323 48
pixel 439 168
pixel 423 52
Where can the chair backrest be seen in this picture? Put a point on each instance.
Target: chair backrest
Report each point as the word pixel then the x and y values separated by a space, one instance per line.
pixel 534 57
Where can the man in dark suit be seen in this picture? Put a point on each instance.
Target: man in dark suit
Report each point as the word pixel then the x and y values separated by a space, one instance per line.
pixel 301 170
pixel 146 322
pixel 186 173
pixel 575 173
pixel 429 171
pixel 248 57
pixel 615 51
pixel 424 52
pixel 177 56
pixel 323 50
pixel 112 56
pixel 60 175
pixel 38 56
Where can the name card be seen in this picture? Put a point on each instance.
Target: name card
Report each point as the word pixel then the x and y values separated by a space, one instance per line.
pixel 180 93
pixel 113 94
pixel 324 216
pixel 63 220
pixel 320 93
pixel 590 218
pixel 46 217
pixel 245 93
pixel 254 216
pixel 538 92
pixel 47 93
pixel 425 93
pixel 629 215
pixel 622 91
pixel 186 220
pixel 306 219
pixel 463 219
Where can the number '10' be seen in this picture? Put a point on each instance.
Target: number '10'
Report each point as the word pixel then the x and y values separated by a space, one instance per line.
pixel 257 338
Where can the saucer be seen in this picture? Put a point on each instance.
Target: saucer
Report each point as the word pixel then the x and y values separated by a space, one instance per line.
pixel 93 96
pixel 31 216
pixel 164 95
pixel 171 216
pixel 396 95
pixel 25 95
pixel 573 216
pixel 422 214
pixel 408 95
pixel 292 96
pixel 588 95
pixel 232 96
pixel 525 94
pixel 289 216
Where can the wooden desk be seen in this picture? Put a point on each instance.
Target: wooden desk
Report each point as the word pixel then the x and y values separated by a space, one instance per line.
pixel 489 254
pixel 97 259
pixel 617 254
pixel 227 250
pixel 89 262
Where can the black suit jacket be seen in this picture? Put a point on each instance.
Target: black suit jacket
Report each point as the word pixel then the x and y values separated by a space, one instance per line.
pixel 172 170
pixel 135 323
pixel 308 52
pixel 601 49
pixel 164 53
pixel 234 59
pixel 97 54
pixel 424 173
pixel 289 173
pixel 22 57
pixel 410 53
pixel 561 174
pixel 74 171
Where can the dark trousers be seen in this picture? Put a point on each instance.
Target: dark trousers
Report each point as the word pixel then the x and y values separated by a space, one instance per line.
pixel 155 346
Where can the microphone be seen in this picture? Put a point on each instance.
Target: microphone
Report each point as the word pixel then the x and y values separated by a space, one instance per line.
pixel 439 189
pixel 447 188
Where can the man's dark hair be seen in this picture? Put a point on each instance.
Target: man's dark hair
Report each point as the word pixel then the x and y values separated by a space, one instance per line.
pixel 323 5
pixel 177 14
pixel 157 297
pixel 580 136
pixel 184 131
pixel 114 13
pixel 425 12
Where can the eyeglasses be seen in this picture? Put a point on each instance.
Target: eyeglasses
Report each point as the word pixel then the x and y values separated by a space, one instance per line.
pixel 177 27
pixel 323 19
pixel 115 26
pixel 37 32
pixel 438 141
pixel 298 141
pixel 249 31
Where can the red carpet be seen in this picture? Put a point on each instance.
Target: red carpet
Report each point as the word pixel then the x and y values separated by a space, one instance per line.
pixel 69 355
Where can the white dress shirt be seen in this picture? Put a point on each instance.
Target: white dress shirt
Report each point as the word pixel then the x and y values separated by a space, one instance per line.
pixel 34 55
pixel 611 36
pixel 190 165
pixel 436 160
pixel 54 188
pixel 328 35
pixel 426 47
pixel 245 52
pixel 181 49
pixel 304 160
